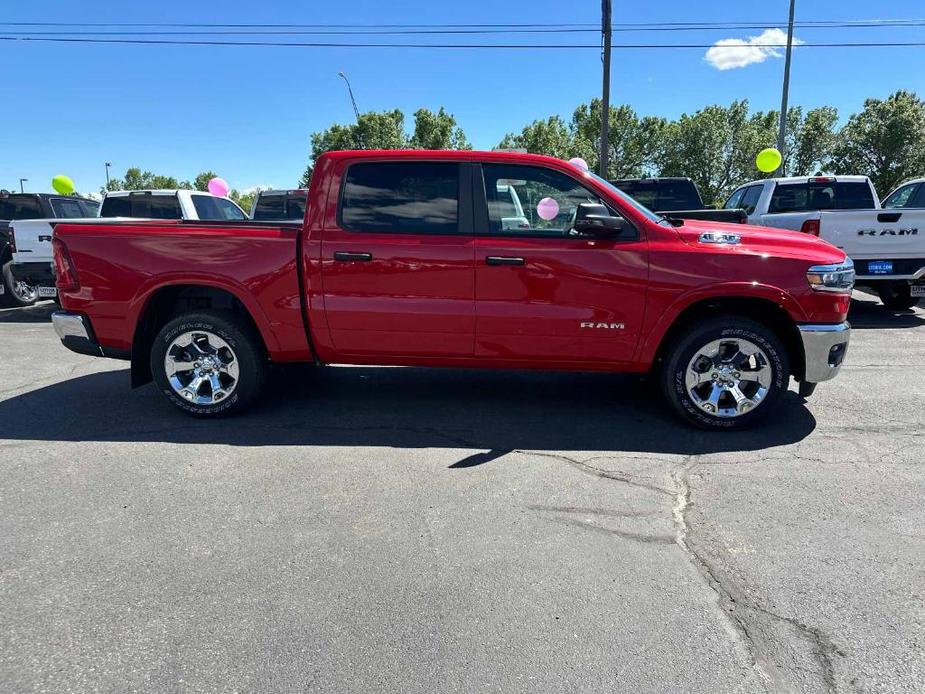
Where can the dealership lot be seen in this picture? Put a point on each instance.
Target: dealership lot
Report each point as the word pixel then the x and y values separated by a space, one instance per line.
pixel 423 530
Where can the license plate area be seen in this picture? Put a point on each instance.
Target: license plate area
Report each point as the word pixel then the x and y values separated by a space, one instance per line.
pixel 880 267
pixel 917 289
pixel 47 292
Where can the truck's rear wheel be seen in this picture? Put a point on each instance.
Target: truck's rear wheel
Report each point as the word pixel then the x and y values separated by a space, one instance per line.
pixel 897 295
pixel 16 293
pixel 725 373
pixel 208 363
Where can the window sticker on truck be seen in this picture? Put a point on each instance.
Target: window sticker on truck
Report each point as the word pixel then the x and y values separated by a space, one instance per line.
pixel 880 267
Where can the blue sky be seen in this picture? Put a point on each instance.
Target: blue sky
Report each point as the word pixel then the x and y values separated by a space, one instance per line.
pixel 247 113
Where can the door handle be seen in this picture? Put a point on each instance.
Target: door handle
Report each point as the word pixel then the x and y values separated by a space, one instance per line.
pixel 348 257
pixel 503 260
pixel 889 217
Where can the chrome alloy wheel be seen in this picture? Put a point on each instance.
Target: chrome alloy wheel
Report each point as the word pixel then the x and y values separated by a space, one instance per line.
pixel 201 367
pixel 24 292
pixel 728 377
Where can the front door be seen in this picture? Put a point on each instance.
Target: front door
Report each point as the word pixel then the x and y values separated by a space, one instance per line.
pixel 542 291
pixel 397 264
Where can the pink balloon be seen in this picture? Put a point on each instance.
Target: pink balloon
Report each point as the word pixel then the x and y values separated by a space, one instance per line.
pixel 547 208
pixel 218 186
pixel 579 162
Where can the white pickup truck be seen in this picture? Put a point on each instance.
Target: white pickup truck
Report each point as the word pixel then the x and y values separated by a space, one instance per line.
pixel 887 245
pixel 31 239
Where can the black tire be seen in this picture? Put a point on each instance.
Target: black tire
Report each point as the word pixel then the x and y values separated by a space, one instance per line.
pixel 897 295
pixel 685 347
pixel 12 294
pixel 247 349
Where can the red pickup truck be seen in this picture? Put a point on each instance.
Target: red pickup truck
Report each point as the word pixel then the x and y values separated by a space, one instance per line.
pixel 460 259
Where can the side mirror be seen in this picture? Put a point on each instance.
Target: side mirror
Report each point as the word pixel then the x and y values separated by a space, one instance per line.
pixel 595 220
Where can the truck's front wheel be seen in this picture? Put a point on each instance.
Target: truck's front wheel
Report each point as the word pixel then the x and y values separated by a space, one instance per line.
pixel 897 295
pixel 208 363
pixel 725 373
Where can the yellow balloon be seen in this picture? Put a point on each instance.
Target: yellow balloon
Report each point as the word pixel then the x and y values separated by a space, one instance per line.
pixel 768 160
pixel 62 184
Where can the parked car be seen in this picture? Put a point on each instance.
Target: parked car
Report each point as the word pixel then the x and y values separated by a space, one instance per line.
pixel 280 205
pixel 677 198
pixel 786 203
pixel 910 194
pixel 16 206
pixel 403 259
pixel 887 247
pixel 32 257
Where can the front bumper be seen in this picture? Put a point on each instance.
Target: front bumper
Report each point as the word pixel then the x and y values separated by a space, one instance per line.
pixel 824 349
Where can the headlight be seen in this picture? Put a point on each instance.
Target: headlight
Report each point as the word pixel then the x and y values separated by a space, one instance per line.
pixel 832 278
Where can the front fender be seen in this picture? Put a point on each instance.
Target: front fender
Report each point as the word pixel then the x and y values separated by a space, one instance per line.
pixel 723 291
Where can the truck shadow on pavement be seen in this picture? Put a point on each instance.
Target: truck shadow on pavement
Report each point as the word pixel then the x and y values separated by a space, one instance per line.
pixel 37 313
pixel 871 315
pixel 490 412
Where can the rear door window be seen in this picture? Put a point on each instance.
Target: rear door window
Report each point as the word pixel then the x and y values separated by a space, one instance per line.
pixel 901 197
pixel 750 199
pixel 209 208
pixel 67 208
pixel 401 198
pixel 733 202
pixel 91 208
pixel 919 200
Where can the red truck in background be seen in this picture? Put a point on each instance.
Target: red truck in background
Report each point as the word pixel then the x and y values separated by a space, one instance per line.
pixel 417 258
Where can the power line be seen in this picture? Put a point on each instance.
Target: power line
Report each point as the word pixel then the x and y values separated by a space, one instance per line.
pixel 513 46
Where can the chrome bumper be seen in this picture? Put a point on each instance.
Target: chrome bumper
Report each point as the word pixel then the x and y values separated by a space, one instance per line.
pixel 75 333
pixel 824 348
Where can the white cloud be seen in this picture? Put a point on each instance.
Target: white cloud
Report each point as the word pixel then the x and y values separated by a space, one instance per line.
pixel 728 54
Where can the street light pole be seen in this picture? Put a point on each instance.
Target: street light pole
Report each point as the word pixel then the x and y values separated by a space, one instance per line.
pixel 782 132
pixel 108 164
pixel 353 101
pixel 605 91
pixel 21 181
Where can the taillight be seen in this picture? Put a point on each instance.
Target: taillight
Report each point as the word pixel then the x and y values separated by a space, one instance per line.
pixel 65 272
pixel 810 226
pixel 12 240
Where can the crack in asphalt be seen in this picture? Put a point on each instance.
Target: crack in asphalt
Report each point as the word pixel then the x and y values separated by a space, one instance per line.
pixel 617 476
pixel 743 611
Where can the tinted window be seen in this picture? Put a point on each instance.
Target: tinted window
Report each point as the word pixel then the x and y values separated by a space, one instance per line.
pixel 67 208
pixel 20 207
pixel 116 206
pixel 159 206
pixel 91 207
pixel 733 202
pixel 401 197
pixel 209 208
pixel 801 197
pixel 662 195
pixel 901 197
pixel 297 207
pixel 919 199
pixel 270 207
pixel 548 199
pixel 750 199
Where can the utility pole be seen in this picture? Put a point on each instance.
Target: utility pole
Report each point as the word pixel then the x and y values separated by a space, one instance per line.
pixel 607 31
pixel 782 132
pixel 21 181
pixel 353 101
pixel 108 164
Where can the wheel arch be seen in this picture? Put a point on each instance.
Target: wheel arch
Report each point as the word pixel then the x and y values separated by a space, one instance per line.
pixel 168 301
pixel 758 309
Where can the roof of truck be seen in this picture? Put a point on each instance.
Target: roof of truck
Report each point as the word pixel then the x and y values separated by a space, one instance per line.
pixel 453 154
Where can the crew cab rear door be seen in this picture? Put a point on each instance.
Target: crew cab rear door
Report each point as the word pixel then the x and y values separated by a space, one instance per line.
pixel 397 259
pixel 544 293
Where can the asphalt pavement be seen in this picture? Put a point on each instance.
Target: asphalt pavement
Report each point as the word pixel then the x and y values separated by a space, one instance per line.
pixel 415 530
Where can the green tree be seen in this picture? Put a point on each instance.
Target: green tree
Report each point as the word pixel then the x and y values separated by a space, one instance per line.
pixel 386 130
pixel 437 131
pixel 885 141
pixel 136 179
pixel 633 142
pixel 201 182
pixel 551 137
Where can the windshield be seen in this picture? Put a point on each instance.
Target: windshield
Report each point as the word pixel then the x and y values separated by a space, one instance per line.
pixel 623 197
